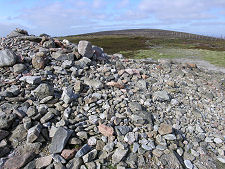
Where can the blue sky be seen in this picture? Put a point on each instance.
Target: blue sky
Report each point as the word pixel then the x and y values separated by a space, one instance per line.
pixel 68 17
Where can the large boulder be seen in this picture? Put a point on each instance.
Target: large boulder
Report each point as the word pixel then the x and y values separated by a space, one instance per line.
pixel 7 58
pixel 85 49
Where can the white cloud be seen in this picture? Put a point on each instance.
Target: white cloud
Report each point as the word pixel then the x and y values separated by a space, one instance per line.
pixel 123 3
pixel 98 3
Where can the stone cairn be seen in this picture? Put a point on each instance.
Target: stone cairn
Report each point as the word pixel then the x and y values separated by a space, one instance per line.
pixel 64 105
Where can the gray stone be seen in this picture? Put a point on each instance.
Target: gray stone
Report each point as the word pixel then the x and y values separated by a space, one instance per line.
pixel 188 164
pixel 59 140
pixel 58 158
pixel 221 159
pixel 49 44
pixel 109 147
pixel 122 130
pixel 6 120
pixel 161 96
pixel 75 163
pixel 84 150
pixel 68 95
pixel 135 147
pixel 170 137
pixel 19 68
pixel 118 155
pixel 7 58
pixel 83 62
pixel 31 79
pixel 33 133
pixel 43 90
pixel 62 56
pixel 47 117
pixel 15 90
pixel 218 140
pixel 30 38
pixel 17 33
pixel 3 134
pixel 90 156
pixel 93 83
pixel 85 49
pixel 130 138
pixel 135 106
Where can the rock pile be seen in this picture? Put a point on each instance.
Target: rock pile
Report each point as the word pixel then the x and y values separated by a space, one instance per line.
pixel 72 106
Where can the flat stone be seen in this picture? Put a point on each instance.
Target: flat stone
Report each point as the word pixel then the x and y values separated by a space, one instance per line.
pixel 221 159
pixel 93 83
pixel 135 106
pixel 59 140
pixel 105 130
pixel 84 150
pixel 68 154
pixel 47 117
pixel 58 158
pixel 31 79
pixel 83 62
pixel 17 162
pixel 170 137
pixel 218 140
pixel 188 164
pixel 122 130
pixel 75 163
pixel 43 162
pixel 157 153
pixel 19 68
pixel 118 155
pixel 62 56
pixel 161 96
pixel 165 129
pixel 116 84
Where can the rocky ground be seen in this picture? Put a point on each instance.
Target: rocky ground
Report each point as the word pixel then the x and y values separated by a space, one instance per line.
pixel 72 106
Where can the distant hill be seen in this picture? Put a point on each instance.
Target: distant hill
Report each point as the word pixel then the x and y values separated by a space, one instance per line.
pixel 149 33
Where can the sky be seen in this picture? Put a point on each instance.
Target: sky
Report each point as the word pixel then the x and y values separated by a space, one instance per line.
pixel 71 17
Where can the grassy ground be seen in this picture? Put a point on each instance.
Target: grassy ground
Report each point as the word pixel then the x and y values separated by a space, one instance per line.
pixel 138 47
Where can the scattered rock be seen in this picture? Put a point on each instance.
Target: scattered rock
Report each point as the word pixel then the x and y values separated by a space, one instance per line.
pixel 165 129
pixel 105 130
pixel 59 140
pixel 118 155
pixel 7 58
pixel 85 49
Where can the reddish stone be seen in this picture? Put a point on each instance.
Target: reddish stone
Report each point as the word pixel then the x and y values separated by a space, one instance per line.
pixel 68 154
pixel 191 65
pixel 144 76
pixel 105 130
pixel 17 162
pixel 115 84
